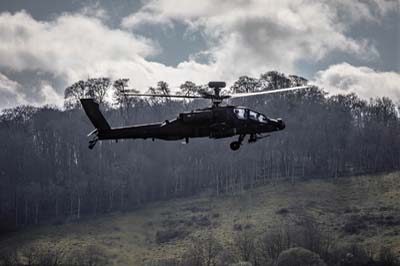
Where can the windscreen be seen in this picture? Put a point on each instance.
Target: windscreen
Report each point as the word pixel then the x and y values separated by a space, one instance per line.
pixel 242 113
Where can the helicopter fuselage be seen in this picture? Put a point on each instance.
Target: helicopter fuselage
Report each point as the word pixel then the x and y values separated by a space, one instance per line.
pixel 213 122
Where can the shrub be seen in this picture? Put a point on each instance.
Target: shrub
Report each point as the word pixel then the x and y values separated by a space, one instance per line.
pixel 354 224
pixel 306 233
pixel 387 258
pixel 244 242
pixel 282 211
pixel 204 252
pixel 89 256
pixel 52 256
pixel 44 257
pixel 201 220
pixel 163 262
pixel 241 263
pixel 216 215
pixel 351 255
pixel 197 209
pixel 309 235
pixel 8 258
pixel 168 235
pixel 299 257
pixel 272 243
pixel 237 227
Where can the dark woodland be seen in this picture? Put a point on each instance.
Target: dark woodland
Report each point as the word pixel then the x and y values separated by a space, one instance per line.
pixel 48 174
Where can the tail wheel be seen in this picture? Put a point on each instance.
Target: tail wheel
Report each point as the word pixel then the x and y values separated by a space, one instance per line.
pixel 92 143
pixel 235 145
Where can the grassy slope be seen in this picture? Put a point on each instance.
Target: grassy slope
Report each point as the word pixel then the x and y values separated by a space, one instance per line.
pixel 129 239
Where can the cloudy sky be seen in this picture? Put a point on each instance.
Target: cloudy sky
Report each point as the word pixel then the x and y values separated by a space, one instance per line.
pixel 341 45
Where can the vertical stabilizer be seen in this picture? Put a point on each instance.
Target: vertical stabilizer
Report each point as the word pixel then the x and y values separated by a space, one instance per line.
pixel 93 112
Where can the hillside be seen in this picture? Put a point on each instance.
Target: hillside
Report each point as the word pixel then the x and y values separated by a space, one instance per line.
pixel 361 210
pixel 47 172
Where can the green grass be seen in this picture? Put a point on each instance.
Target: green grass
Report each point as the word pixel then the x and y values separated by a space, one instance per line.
pixel 130 238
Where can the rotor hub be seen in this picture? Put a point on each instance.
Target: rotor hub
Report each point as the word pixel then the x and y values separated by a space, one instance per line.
pixel 216 98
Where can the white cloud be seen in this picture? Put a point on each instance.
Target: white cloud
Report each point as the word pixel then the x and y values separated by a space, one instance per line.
pixel 75 46
pixel 49 95
pixel 71 47
pixel 95 10
pixel 365 82
pixel 361 11
pixel 6 84
pixel 13 93
pixel 9 95
pixel 252 36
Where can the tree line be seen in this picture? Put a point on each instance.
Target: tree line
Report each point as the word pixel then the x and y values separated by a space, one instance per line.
pixel 48 174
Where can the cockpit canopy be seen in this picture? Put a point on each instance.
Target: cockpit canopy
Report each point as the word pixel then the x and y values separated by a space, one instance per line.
pixel 247 114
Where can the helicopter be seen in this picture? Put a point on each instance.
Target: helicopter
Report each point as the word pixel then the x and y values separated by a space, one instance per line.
pixel 215 122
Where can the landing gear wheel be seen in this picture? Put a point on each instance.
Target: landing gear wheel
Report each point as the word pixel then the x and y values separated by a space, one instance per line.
pixel 235 145
pixel 92 143
pixel 253 138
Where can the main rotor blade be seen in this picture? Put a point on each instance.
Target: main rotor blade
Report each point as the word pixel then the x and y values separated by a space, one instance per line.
pixel 162 95
pixel 246 94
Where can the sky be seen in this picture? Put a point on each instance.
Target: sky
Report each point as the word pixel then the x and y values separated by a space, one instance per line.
pixel 342 46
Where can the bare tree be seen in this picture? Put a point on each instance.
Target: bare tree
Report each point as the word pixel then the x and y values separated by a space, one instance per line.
pixel 73 93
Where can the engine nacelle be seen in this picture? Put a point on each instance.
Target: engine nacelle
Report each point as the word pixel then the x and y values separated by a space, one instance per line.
pixel 195 117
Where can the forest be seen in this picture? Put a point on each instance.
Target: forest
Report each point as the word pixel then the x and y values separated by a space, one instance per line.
pixel 48 174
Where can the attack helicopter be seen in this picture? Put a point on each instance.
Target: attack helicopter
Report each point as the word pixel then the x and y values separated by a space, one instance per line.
pixel 215 122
